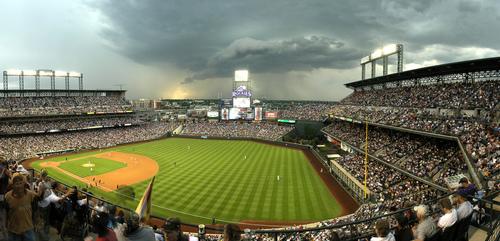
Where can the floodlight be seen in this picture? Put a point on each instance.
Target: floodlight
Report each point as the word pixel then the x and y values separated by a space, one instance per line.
pixel 13 72
pixel 29 72
pixel 61 73
pixel 45 72
pixel 241 75
pixel 75 74
pixel 389 49
pixel 376 54
pixel 365 59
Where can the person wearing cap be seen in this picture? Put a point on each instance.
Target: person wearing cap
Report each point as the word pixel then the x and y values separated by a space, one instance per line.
pixel 426 228
pixel 20 217
pixel 172 230
pixel 466 188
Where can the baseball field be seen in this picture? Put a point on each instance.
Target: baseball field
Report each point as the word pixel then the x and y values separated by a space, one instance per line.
pixel 200 179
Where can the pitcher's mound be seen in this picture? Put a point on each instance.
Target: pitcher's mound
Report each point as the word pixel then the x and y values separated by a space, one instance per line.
pixel 88 165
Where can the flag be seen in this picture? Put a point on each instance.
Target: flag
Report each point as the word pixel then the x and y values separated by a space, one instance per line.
pixel 144 207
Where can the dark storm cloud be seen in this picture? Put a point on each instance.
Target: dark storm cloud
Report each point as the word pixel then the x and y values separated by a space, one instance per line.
pixel 297 54
pixel 211 38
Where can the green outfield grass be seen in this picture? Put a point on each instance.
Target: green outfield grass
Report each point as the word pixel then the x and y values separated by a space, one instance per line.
pixel 101 166
pixel 202 179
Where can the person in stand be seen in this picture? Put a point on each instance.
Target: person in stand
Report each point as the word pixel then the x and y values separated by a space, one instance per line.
pixel 172 230
pixel 464 207
pixel 232 232
pixel 135 231
pixel 450 214
pixel 382 231
pixel 426 227
pixel 466 188
pixel 20 216
pixel 99 223
pixel 5 175
pixel 43 211
pixel 402 230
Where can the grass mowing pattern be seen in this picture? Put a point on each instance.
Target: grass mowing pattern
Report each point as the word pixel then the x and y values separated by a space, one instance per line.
pixel 201 179
pixel 101 166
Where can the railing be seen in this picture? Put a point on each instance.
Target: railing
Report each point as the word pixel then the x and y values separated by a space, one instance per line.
pixel 432 184
pixel 473 172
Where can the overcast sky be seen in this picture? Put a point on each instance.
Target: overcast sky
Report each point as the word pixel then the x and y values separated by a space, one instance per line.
pixel 294 49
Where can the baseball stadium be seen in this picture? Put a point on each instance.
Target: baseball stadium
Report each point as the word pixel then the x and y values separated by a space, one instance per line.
pixel 257 166
pixel 296 121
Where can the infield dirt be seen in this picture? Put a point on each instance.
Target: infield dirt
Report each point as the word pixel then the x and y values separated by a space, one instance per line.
pixel 125 176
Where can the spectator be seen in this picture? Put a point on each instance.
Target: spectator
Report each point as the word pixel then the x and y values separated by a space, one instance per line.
pixel 464 207
pixel 20 218
pixel 159 236
pixel 466 189
pixel 383 232
pixel 172 229
pixel 135 231
pixel 100 224
pixel 426 228
pixel 449 217
pixel 43 212
pixel 403 231
pixel 232 232
pixel 4 182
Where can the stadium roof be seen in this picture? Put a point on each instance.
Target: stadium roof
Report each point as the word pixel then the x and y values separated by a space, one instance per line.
pixel 443 69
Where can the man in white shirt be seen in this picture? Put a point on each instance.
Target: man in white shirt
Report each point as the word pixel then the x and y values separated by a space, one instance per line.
pixel 44 205
pixel 450 214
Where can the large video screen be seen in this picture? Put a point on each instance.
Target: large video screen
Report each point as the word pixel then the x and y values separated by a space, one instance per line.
pixel 241 75
pixel 241 102
pixel 234 113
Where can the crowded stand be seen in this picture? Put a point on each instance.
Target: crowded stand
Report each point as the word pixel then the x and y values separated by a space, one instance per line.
pixel 263 130
pixel 480 137
pixel 305 111
pixel 481 94
pixel 59 105
pixel 28 146
pixel 422 156
pixel 47 125
pixel 392 188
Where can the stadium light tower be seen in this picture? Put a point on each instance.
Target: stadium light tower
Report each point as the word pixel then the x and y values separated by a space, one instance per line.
pixel 382 53
pixel 47 73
